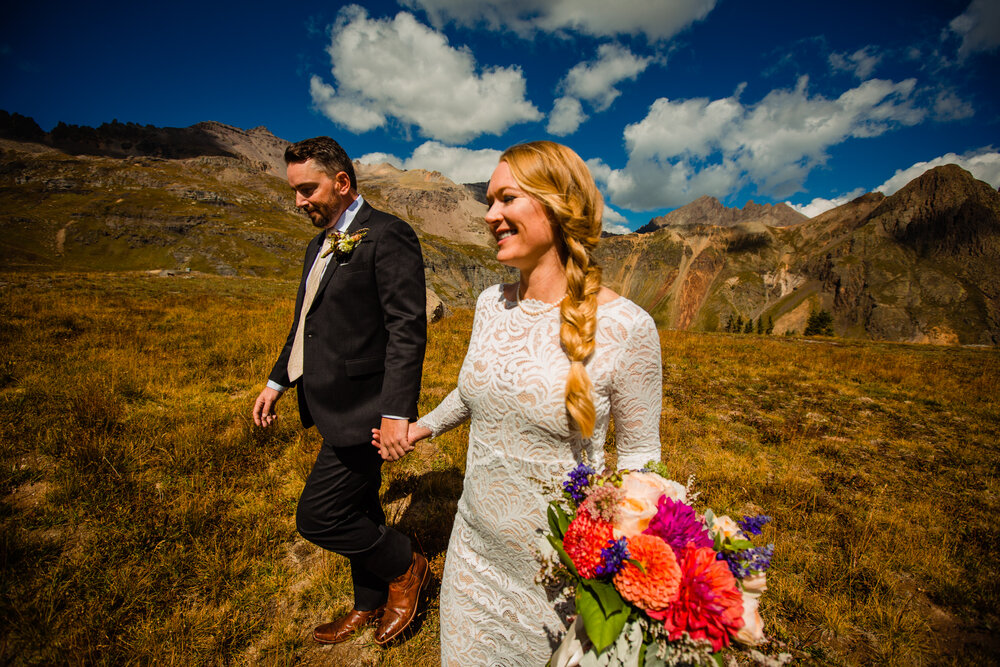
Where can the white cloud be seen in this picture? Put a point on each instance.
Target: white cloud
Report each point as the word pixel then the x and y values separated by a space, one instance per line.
pixel 983 163
pixel 660 19
pixel 567 115
pixel 595 81
pixel 379 158
pixel 861 63
pixel 614 222
pixel 399 68
pixel 821 205
pixel 978 26
pixel 949 106
pixel 687 148
pixel 461 165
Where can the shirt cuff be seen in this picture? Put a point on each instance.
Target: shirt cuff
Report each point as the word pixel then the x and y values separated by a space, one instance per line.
pixel 277 387
pixel 394 417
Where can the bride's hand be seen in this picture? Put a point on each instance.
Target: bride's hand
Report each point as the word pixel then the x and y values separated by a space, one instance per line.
pixel 414 434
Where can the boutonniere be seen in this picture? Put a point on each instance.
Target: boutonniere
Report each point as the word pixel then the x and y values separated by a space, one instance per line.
pixel 342 244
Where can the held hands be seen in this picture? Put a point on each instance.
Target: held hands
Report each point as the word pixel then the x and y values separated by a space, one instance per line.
pixel 397 437
pixel 263 408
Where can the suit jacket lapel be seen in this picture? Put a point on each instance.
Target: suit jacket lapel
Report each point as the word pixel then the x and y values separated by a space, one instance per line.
pixel 360 219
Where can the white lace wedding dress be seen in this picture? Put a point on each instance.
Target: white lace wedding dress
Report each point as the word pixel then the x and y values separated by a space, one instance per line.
pixel 512 384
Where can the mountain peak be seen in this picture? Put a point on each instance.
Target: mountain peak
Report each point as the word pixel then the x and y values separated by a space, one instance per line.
pixel 944 210
pixel 707 210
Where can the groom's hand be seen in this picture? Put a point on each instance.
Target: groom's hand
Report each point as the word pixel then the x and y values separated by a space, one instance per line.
pixel 263 408
pixel 393 440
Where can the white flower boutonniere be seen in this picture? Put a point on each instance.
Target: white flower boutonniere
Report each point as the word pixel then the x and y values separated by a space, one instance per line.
pixel 342 245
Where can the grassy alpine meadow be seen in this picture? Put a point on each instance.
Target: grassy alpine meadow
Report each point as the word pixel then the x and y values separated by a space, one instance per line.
pixel 145 520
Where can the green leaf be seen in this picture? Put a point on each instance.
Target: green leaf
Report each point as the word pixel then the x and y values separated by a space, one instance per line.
pixel 718 659
pixel 558 519
pixel 607 595
pixel 637 564
pixel 563 556
pixel 602 629
pixel 554 520
pixel 739 545
pixel 709 517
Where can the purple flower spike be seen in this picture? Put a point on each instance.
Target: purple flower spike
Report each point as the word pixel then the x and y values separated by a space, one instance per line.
pixel 677 524
pixel 614 557
pixel 579 479
pixel 753 525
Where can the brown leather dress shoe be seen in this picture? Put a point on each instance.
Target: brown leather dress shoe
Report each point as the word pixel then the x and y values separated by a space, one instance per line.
pixel 345 626
pixel 404 595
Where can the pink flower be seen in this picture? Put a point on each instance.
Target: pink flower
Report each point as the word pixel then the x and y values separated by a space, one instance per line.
pixel 677 525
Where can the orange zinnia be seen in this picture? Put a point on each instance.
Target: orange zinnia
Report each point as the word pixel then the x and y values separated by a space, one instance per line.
pixel 656 587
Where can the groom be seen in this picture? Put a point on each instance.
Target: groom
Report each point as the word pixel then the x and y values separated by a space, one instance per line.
pixel 355 352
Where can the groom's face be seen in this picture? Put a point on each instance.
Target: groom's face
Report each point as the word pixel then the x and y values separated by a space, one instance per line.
pixel 319 196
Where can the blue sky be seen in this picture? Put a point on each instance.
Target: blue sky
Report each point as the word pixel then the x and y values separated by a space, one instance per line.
pixel 667 100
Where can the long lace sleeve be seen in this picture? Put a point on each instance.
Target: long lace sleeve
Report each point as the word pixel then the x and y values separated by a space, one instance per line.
pixel 637 396
pixel 453 410
pixel 449 413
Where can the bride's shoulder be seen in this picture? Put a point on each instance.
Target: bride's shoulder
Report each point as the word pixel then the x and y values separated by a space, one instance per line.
pixel 495 294
pixel 606 296
pixel 620 308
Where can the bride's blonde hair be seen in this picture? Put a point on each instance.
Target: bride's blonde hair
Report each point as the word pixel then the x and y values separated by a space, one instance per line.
pixel 557 177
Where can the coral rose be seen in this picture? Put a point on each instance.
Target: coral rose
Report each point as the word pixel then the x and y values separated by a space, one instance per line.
pixel 656 587
pixel 642 492
pixel 584 539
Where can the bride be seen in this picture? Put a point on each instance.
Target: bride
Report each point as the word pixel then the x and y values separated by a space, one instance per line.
pixel 550 359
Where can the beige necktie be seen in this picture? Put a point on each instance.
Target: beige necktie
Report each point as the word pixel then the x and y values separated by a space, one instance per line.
pixel 312 286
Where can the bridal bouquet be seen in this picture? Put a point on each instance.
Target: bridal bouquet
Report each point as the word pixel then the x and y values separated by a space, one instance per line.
pixel 655 583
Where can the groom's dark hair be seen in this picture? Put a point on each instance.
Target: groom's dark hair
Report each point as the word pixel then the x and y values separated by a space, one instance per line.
pixel 326 153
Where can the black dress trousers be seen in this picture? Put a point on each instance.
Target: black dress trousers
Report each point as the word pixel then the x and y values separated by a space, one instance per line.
pixel 339 510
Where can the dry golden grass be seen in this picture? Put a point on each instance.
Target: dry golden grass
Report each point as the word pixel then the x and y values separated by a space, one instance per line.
pixel 144 519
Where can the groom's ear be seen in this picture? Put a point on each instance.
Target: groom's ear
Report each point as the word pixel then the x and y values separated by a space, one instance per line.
pixel 342 183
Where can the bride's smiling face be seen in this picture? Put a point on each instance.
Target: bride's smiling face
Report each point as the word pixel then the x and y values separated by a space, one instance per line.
pixel 523 232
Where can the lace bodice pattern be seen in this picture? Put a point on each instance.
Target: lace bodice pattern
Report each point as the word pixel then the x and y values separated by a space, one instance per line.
pixel 512 385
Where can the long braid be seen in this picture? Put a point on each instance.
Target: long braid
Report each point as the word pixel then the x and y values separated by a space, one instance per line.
pixel 559 179
pixel 576 332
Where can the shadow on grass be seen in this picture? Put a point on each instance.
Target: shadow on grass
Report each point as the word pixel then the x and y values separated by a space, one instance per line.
pixel 430 512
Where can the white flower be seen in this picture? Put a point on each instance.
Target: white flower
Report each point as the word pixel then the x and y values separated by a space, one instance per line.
pixel 752 632
pixel 726 527
pixel 755 585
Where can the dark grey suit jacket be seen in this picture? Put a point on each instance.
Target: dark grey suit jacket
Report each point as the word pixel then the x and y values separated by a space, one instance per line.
pixel 365 333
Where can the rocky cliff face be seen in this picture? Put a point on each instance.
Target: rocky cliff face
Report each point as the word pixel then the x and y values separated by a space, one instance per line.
pixel 918 266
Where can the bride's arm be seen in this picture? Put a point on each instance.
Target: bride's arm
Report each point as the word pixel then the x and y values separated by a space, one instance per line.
pixel 637 396
pixel 449 413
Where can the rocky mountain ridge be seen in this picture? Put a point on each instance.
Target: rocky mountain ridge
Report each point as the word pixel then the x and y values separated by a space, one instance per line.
pixel 920 265
pixel 710 211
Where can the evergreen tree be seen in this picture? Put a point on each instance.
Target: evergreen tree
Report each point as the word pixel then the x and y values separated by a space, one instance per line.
pixel 820 323
pixel 770 326
pixel 760 325
pixel 749 326
pixel 739 324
